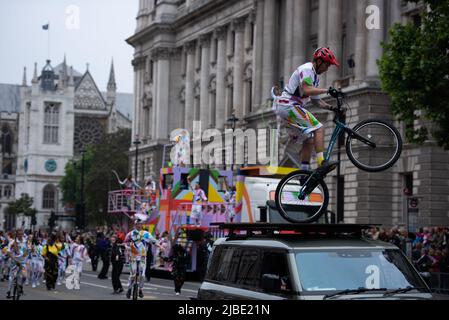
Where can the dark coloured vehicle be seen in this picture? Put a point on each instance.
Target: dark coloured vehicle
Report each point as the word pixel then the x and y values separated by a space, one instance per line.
pixel 308 262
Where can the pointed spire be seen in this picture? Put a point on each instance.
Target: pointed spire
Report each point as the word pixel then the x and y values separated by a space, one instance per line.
pixel 24 80
pixel 61 79
pixel 111 83
pixel 87 67
pixel 71 82
pixel 64 70
pixel 34 74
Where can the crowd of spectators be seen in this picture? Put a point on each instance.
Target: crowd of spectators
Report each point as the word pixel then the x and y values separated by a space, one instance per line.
pixel 428 248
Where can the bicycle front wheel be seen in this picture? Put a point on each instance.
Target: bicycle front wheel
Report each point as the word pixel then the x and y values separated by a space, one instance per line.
pixel 296 207
pixel 16 292
pixel 374 146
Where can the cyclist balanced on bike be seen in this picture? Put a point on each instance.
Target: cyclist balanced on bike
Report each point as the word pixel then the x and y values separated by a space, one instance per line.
pixel 301 89
pixel 137 241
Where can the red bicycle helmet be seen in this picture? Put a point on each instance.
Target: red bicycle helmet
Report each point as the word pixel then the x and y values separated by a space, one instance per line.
pixel 326 55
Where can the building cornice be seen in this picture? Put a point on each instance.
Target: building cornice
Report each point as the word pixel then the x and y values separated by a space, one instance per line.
pixel 147 33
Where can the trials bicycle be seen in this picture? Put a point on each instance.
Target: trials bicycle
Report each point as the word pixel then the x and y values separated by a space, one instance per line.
pixel 135 290
pixel 372 146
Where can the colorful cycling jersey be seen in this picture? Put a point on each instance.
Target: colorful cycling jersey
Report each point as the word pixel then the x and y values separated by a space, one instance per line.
pixel 294 92
pixel 139 241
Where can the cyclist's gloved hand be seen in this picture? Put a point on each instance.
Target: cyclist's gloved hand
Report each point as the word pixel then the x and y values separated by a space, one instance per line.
pixel 333 92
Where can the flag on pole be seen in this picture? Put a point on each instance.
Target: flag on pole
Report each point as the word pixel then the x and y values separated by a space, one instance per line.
pixel 46 26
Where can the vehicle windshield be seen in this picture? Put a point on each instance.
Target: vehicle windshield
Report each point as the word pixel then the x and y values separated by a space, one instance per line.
pixel 321 272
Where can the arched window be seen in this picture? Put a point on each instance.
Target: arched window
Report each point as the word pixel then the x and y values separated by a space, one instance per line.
pixel 49 197
pixel 6 139
pixel 51 123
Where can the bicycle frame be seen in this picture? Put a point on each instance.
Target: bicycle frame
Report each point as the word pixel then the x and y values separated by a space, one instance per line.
pixel 339 129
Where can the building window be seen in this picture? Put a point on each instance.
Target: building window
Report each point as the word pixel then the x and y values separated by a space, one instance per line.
pixel 6 140
pixel 248 89
pixel 146 121
pixel 215 50
pixel 27 119
pixel 51 123
pixel 408 183
pixel 230 94
pixel 213 99
pixel 49 197
pixel 7 192
pixel 252 34
pixel 197 105
pixel 151 71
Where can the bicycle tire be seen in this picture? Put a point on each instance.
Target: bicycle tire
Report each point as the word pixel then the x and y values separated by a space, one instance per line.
pixel 392 159
pixel 282 208
pixel 16 293
pixel 136 284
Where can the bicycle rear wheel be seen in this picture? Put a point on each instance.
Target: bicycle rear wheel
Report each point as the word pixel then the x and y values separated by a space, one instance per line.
pixel 135 290
pixel 295 208
pixel 376 146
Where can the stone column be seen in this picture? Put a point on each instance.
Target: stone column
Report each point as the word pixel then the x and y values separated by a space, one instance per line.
pixel 290 37
pixel 269 29
pixel 136 104
pixel 221 74
pixel 360 42
pixel 334 37
pixel 322 31
pixel 190 85
pixel 258 54
pixel 248 30
pixel 239 28
pixel 162 55
pixel 139 64
pixel 153 124
pixel 300 34
pixel 374 39
pixel 204 86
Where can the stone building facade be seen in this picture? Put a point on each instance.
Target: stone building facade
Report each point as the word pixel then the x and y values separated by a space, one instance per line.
pixel 204 60
pixel 44 126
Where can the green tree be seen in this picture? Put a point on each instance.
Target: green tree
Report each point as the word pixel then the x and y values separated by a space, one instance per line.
pixel 111 153
pixel 70 184
pixel 23 205
pixel 415 72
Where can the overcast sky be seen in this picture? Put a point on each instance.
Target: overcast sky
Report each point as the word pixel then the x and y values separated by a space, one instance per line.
pixel 87 31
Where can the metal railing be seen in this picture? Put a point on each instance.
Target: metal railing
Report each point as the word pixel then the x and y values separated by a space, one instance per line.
pixel 439 283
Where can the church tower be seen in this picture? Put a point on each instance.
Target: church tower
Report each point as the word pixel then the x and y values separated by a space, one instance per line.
pixel 46 139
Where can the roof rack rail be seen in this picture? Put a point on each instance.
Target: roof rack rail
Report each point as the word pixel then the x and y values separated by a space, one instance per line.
pixel 302 228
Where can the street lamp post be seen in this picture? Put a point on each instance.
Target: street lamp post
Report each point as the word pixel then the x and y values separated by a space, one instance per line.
pixel 233 120
pixel 83 221
pixel 136 143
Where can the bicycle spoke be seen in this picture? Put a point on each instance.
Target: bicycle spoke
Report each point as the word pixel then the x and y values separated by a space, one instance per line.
pixel 383 155
pixel 296 206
